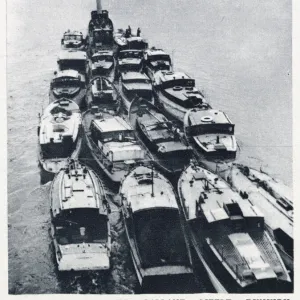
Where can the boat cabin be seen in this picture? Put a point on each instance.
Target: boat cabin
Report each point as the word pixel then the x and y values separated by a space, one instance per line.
pixel 135 83
pixel 130 60
pixel 157 59
pixel 66 79
pixel 136 42
pixel 72 39
pixel 209 122
pixel 102 90
pixel 103 56
pixel 70 59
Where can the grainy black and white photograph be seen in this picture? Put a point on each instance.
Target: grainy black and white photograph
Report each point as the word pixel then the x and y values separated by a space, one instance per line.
pixel 149 147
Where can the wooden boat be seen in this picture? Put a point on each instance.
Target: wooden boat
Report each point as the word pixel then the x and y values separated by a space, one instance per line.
pixel 211 134
pixel 130 61
pixel 102 92
pixel 153 227
pixel 164 140
pixel 156 60
pixel 274 199
pixel 228 236
pixel 69 84
pixel 73 40
pixel 60 135
pixel 102 63
pixel 176 93
pixel 80 229
pixel 134 84
pixel 112 142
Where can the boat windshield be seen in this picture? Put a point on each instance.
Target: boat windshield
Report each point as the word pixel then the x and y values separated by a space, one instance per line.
pixel 102 58
pixel 69 37
pixel 65 82
pixel 73 64
pixel 137 80
pixel 81 226
pixel 156 57
pixel 118 136
pixel 130 54
pixel 179 82
pixel 212 129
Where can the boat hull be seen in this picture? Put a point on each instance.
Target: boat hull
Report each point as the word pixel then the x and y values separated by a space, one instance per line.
pixel 79 99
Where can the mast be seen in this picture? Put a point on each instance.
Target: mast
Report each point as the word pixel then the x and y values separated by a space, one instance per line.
pixel 99 6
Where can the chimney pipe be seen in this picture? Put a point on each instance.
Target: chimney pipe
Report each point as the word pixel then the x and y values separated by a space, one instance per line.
pixel 99 6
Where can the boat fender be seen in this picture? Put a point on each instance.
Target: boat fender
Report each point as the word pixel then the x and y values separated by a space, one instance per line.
pixel 206 119
pixel 177 88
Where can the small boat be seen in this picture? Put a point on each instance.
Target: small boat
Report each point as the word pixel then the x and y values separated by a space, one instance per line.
pixel 80 229
pixel 274 199
pixel 73 40
pixel 102 63
pixel 60 135
pixel 164 140
pixel 176 93
pixel 112 142
pixel 125 40
pixel 68 84
pixel 72 60
pixel 102 91
pixel 228 236
pixel 134 84
pixel 211 134
pixel 153 228
pixel 130 61
pixel 156 60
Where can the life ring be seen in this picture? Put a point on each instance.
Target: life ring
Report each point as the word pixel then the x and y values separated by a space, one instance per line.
pixel 206 119
pixel 177 88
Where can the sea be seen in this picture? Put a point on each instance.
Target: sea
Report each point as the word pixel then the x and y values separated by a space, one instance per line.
pixel 239 52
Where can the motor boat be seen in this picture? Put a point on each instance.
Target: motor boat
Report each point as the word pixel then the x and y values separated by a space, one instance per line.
pixel 228 235
pixel 163 138
pixel 59 134
pixel 102 63
pixel 156 60
pixel 80 228
pixel 72 60
pixel 73 40
pixel 153 228
pixel 211 134
pixel 112 142
pixel 274 199
pixel 130 61
pixel 176 93
pixel 102 92
pixel 133 84
pixel 68 84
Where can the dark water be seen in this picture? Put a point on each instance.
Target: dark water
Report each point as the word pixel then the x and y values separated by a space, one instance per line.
pixel 240 55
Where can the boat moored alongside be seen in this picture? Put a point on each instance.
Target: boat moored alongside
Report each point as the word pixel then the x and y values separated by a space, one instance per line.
pixel 130 61
pixel 60 135
pixel 229 237
pixel 80 229
pixel 73 40
pixel 153 227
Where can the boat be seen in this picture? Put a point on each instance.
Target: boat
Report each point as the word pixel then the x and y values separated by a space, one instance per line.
pixel 134 84
pixel 176 93
pixel 228 235
pixel 68 84
pixel 80 229
pixel 274 199
pixel 102 92
pixel 211 134
pixel 112 142
pixel 100 31
pixel 130 61
pixel 126 40
pixel 73 40
pixel 156 60
pixel 59 134
pixel 163 138
pixel 102 63
pixel 153 229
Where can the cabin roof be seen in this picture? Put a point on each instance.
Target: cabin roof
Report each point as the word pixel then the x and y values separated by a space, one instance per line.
pixel 103 52
pixel 67 73
pixel 151 52
pixel 135 38
pixel 74 32
pixel 169 76
pixel 198 117
pixel 133 75
pixel 112 124
pixel 72 54
pixel 137 188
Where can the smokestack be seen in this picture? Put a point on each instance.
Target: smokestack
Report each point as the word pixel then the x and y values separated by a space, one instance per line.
pixel 99 6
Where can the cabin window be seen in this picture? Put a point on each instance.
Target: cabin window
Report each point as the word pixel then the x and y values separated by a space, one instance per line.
pixel 72 37
pixel 63 82
pixel 73 64
pixel 163 57
pixel 211 129
pixel 179 82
